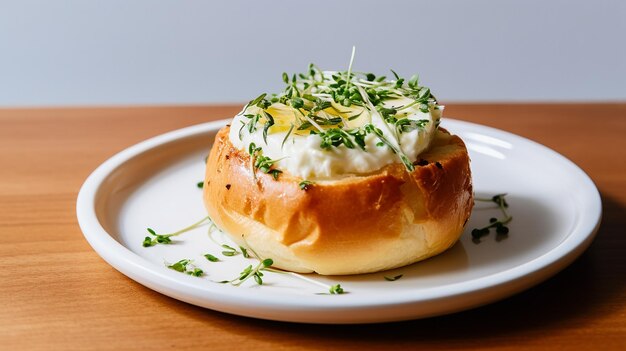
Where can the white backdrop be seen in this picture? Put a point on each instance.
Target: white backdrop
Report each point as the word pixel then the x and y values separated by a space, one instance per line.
pixel 179 52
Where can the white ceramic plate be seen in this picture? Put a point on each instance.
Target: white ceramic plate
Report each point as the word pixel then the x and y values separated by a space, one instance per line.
pixel 556 210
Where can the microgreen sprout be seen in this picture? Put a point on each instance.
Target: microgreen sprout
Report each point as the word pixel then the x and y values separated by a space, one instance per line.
pixel 211 258
pixel 251 272
pixel 394 278
pixel 335 137
pixel 262 163
pixel 499 224
pixel 269 122
pixel 305 185
pixel 265 264
pixel 255 272
pixel 324 103
pixel 379 133
pixel 352 118
pixel 185 266
pixel 259 101
pixel 336 289
pixel 252 122
pixel 229 251
pixel 287 136
pixel 244 252
pixel 405 125
pixel 156 238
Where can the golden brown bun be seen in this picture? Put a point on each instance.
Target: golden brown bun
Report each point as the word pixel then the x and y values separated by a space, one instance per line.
pixel 358 224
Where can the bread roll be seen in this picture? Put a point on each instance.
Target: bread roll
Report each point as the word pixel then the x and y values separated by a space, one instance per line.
pixel 356 224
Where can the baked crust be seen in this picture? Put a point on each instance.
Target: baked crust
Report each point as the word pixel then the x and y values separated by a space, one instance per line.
pixel 357 224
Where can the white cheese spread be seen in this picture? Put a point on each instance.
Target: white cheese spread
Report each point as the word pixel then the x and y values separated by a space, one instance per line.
pixel 296 147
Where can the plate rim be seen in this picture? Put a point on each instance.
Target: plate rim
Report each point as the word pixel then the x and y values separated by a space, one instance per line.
pixel 280 306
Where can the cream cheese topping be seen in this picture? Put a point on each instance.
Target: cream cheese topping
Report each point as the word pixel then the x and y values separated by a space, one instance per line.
pixel 301 153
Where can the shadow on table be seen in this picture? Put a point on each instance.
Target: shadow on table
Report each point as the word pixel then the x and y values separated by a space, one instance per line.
pixel 574 295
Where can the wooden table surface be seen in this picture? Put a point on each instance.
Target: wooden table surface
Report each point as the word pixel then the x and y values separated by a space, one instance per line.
pixel 56 293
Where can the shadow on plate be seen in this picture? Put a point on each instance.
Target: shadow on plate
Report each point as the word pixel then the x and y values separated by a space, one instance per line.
pixel 535 230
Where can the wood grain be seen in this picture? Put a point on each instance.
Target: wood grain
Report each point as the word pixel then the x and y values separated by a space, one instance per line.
pixel 56 293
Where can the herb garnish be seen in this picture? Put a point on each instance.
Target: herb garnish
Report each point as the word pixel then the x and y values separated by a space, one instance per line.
pixel 165 238
pixel 379 133
pixel 287 136
pixel 325 103
pixel 265 265
pixel 211 258
pixel 406 125
pixel 335 137
pixel 249 272
pixel 269 122
pixel 499 224
pixel 251 124
pixel 305 185
pixel 259 101
pixel 394 278
pixel 230 251
pixel 185 266
pixel 336 289
pixel 262 163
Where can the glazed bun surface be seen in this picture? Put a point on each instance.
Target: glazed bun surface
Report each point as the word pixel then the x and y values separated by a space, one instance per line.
pixel 354 224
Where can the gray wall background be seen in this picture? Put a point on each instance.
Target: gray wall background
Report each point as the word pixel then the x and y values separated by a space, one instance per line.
pixel 181 52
